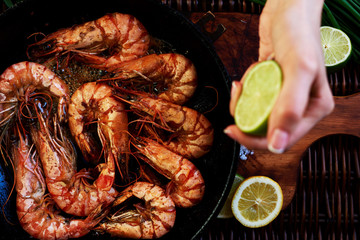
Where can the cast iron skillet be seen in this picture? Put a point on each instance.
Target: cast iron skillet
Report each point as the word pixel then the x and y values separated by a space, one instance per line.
pixel 218 167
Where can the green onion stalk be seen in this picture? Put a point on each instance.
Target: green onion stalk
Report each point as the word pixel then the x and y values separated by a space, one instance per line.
pixel 11 3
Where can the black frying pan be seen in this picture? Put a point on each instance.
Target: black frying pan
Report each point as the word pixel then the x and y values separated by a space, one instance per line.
pixel 218 167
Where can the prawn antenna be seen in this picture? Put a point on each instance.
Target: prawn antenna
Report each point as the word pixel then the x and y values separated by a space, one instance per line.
pixel 217 99
pixel 12 188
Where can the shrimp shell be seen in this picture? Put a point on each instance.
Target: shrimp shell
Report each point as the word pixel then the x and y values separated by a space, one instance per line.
pixel 192 132
pixel 187 185
pixel 122 35
pixel 152 220
pixel 94 102
pixel 69 188
pixel 37 213
pixel 175 75
pixel 21 79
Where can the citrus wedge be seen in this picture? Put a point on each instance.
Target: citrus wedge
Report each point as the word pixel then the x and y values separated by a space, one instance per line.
pixel 261 87
pixel 257 201
pixel 226 211
pixel 336 47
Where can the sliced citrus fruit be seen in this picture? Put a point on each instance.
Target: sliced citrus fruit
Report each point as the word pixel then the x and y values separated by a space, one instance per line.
pixel 257 201
pixel 261 87
pixel 336 47
pixel 226 211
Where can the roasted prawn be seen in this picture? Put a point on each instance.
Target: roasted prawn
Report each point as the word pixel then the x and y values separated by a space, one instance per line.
pixel 37 212
pixel 70 189
pixel 147 221
pixel 186 186
pixel 191 133
pixel 94 102
pixel 172 76
pixel 121 35
pixel 19 81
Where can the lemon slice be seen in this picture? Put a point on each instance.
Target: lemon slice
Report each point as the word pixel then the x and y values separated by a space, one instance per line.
pixel 336 47
pixel 261 87
pixel 226 211
pixel 257 201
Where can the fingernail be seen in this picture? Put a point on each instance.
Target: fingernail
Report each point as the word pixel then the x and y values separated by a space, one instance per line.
pixel 278 141
pixel 271 56
pixel 233 88
pixel 228 132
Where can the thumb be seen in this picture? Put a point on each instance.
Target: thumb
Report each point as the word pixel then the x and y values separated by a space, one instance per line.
pixel 289 108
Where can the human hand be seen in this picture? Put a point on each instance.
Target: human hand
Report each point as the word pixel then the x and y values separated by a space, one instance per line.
pixel 289 31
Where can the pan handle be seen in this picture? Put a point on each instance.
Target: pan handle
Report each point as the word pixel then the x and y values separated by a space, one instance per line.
pixel 206 22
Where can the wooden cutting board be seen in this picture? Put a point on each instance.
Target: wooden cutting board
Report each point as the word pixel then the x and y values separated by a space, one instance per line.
pixel 238 46
pixel 238 49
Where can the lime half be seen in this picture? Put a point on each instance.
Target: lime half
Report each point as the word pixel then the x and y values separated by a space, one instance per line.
pixel 226 211
pixel 336 47
pixel 261 87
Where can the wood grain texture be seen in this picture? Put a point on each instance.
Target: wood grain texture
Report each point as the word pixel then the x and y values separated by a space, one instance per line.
pixel 238 46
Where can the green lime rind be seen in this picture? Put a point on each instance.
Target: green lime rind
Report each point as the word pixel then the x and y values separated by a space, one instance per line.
pixel 339 67
pixel 261 87
pixel 226 211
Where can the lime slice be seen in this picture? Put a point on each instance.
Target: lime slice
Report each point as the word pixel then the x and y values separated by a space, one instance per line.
pixel 336 47
pixel 226 211
pixel 262 84
pixel 257 201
